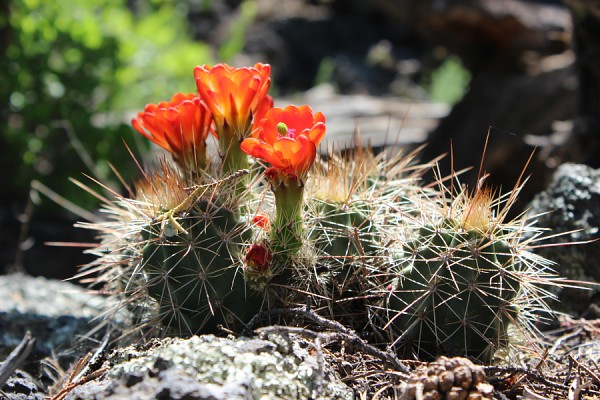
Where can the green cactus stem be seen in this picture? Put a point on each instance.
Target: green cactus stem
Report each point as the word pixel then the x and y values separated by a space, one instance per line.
pixel 452 294
pixel 195 275
pixel 233 159
pixel 287 229
pixel 344 230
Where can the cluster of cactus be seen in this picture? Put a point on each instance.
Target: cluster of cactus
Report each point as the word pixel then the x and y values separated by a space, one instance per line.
pixel 212 240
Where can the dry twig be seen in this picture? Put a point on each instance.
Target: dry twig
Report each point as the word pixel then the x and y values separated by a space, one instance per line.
pixel 16 358
pixel 340 332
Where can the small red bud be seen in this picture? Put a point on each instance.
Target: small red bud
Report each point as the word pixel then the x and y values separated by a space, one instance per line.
pixel 262 221
pixel 258 258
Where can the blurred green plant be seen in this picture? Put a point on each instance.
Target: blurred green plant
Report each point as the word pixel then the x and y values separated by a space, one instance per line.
pixel 71 71
pixel 325 71
pixel 237 33
pixel 449 82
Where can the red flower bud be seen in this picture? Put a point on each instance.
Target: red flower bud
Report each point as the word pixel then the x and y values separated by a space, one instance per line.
pixel 258 258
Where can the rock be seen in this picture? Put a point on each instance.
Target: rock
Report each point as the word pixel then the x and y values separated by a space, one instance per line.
pixel 208 367
pixel 21 386
pixel 586 36
pixel 380 121
pixel 512 108
pixel 570 208
pixel 309 42
pixel 58 314
pixel 486 33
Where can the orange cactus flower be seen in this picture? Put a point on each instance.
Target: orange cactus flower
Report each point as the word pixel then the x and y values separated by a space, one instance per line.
pixel 262 109
pixel 179 126
pixel 288 139
pixel 234 95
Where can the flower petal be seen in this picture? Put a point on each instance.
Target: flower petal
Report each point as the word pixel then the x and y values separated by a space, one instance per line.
pixel 234 95
pixel 180 125
pixel 293 152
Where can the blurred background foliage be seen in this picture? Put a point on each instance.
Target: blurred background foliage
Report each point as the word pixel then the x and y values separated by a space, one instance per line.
pixel 75 71
pixel 72 70
pixel 448 82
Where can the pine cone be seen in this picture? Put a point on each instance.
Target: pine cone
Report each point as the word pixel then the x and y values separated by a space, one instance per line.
pixel 448 378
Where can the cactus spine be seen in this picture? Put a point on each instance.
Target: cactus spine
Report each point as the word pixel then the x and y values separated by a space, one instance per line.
pixel 453 293
pixel 342 230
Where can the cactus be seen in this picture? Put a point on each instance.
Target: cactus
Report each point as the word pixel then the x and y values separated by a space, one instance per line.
pixel 195 277
pixel 358 240
pixel 183 273
pixel 460 282
pixel 174 251
pixel 454 290
pixel 349 225
pixel 342 230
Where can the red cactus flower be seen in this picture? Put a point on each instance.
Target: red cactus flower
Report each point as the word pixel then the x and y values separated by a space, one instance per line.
pixel 262 221
pixel 258 258
pixel 288 139
pixel 234 95
pixel 179 126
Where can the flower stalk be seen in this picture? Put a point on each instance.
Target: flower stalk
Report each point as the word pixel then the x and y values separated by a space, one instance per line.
pixel 287 230
pixel 232 157
pixel 287 139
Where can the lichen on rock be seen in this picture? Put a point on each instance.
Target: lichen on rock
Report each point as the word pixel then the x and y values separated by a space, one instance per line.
pixel 570 209
pixel 217 368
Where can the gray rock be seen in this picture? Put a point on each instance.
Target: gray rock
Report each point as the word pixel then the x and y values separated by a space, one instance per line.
pixel 58 314
pixel 21 386
pixel 570 208
pixel 382 121
pixel 208 367
pixel 26 294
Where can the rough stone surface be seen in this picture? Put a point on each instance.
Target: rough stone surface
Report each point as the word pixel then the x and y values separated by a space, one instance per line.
pixel 37 295
pixel 570 208
pixel 518 112
pixel 380 121
pixel 58 314
pixel 21 386
pixel 207 367
pixel 487 33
